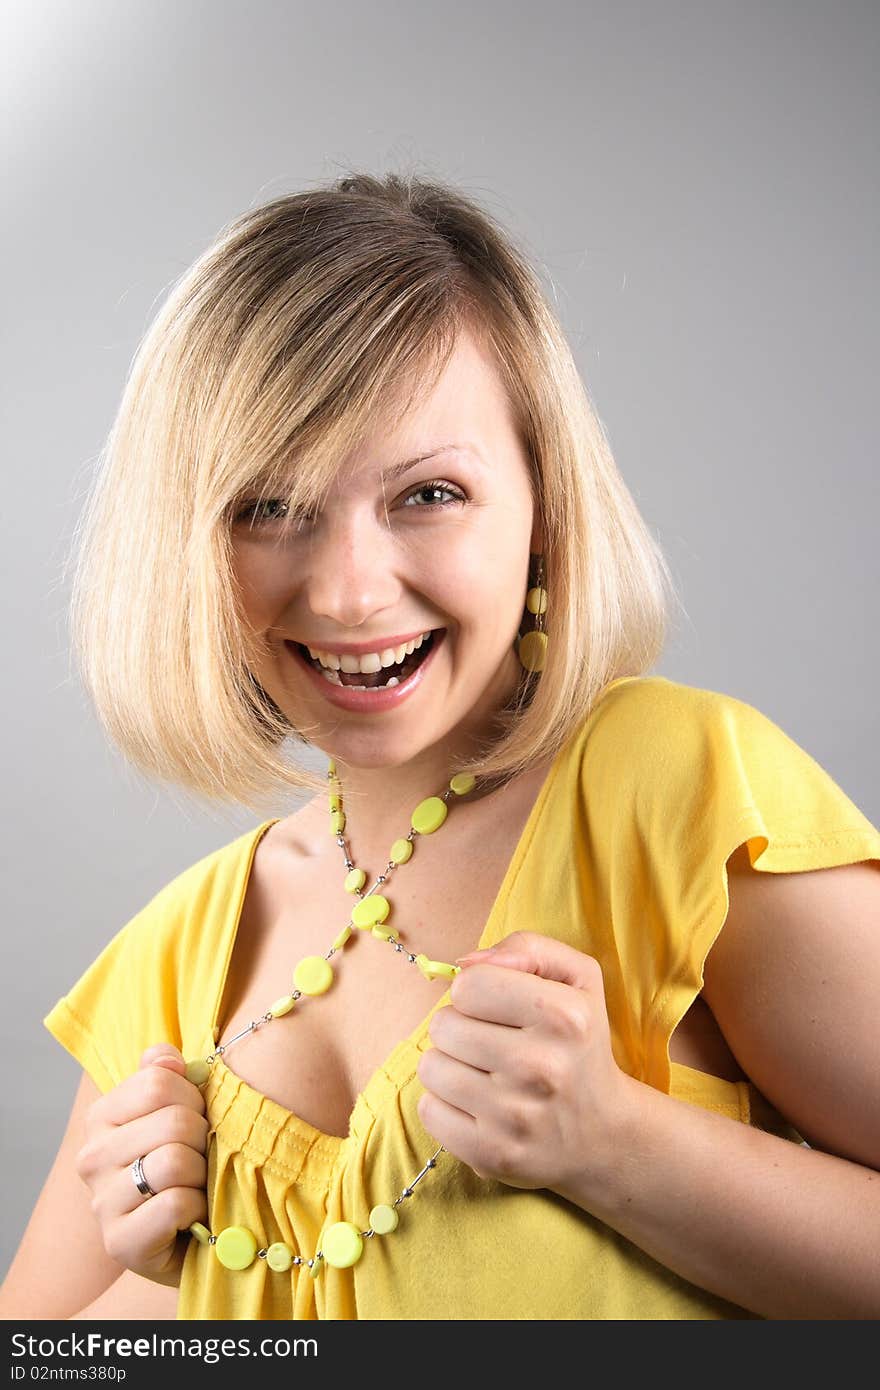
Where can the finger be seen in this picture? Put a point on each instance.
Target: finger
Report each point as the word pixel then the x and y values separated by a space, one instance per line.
pixel 499 994
pixel 453 1128
pixel 175 1124
pixel 465 1087
pixel 535 954
pixel 168 1166
pixel 148 1228
pixel 487 1046
pixel 145 1092
pixel 163 1052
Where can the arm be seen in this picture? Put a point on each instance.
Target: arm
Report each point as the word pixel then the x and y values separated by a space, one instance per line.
pixel 61 1269
pixel 784 1231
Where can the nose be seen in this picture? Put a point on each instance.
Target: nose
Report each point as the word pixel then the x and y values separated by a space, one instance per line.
pixel 351 572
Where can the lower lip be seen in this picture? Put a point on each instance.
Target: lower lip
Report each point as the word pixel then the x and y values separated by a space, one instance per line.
pixel 368 701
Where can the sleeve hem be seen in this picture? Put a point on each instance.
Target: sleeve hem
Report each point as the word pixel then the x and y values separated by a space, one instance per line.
pixel 823 850
pixel 70 1031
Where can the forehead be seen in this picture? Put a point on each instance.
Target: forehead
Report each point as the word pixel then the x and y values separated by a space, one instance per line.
pixel 465 411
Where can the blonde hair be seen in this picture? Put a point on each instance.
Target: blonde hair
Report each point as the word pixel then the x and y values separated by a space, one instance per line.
pixel 308 319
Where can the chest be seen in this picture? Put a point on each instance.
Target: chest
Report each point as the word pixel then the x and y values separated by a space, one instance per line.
pixel 316 1060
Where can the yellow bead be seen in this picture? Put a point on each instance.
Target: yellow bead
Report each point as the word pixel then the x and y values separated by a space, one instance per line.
pixel 429 815
pixel 283 1006
pixel 201 1233
pixel 462 783
pixel 342 1245
pixel 382 933
pixel 401 851
pixel 370 910
pixel 313 975
pixel 337 822
pixel 383 1219
pixel 331 767
pixel 536 600
pixel 436 969
pixel 442 970
pixel 334 800
pixel 340 940
pixel 354 880
pixel 533 650
pixel 315 1269
pixel 197 1072
pixel 279 1257
pixel 236 1247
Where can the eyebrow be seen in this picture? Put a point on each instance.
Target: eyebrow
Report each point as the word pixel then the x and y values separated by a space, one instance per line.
pixel 398 469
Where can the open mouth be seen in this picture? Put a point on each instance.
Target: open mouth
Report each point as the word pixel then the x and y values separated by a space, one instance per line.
pixel 372 680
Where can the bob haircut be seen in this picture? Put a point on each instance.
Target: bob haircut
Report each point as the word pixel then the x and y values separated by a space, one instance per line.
pixel 308 319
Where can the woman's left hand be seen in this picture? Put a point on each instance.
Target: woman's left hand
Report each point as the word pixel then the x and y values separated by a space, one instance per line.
pixel 521 1083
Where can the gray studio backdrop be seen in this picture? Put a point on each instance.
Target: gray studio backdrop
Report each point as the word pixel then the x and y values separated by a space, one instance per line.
pixel 697 184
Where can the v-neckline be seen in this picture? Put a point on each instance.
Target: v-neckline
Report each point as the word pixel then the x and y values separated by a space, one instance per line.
pixel 399 1065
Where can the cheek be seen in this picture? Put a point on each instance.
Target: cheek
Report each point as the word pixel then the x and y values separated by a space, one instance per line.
pixel 261 586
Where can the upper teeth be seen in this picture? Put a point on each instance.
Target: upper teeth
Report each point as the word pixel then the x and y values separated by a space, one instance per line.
pixel 368 661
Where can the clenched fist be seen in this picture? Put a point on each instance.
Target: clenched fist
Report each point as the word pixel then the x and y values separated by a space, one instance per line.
pixel 158 1115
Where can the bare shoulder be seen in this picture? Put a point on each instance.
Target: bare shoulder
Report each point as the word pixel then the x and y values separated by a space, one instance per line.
pixel 793 979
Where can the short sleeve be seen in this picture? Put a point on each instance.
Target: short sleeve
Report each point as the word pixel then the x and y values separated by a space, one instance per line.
pixel 686 777
pixel 124 1001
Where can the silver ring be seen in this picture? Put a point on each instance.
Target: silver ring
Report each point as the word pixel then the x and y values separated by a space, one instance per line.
pixel 140 1181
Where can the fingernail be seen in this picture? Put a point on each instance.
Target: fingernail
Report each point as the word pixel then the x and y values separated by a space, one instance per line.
pixel 473 955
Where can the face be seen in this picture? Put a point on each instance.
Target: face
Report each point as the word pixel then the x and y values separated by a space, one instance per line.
pixel 442 546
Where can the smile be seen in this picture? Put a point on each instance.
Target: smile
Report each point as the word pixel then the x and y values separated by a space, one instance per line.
pixel 370 691
pixel 380 667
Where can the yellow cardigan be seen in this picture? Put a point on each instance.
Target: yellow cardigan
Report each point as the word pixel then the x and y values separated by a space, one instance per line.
pixel 623 857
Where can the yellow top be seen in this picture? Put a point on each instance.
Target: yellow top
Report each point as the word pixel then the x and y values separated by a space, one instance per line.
pixel 623 856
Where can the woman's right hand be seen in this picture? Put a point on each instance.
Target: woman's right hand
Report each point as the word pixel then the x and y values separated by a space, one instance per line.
pixel 158 1115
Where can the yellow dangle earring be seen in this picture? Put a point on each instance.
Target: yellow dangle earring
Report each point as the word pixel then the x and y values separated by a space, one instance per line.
pixel 532 648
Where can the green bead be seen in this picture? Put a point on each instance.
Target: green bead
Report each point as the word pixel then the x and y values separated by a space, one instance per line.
pixel 401 851
pixel 383 1219
pixel 429 815
pixel 313 975
pixel 201 1233
pixel 315 1269
pixel 533 650
pixel 236 1247
pixel 337 822
pixel 279 1257
pixel 370 910
pixel 197 1072
pixel 382 933
pixel 436 969
pixel 342 1245
pixel 282 1006
pixel 536 600
pixel 334 800
pixel 340 940
pixel 354 880
pixel 331 767
pixel 463 782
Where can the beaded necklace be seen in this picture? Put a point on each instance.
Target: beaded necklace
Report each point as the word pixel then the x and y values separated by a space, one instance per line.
pixel 342 1243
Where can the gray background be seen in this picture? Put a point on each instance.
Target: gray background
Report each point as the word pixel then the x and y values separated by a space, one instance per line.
pixel 697 184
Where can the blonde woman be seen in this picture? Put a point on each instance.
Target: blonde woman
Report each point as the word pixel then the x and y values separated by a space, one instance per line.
pixel 556 997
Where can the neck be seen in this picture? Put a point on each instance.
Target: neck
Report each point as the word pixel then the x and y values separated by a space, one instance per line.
pixel 379 800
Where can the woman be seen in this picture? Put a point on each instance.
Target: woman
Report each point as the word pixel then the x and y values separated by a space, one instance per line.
pixel 466 1039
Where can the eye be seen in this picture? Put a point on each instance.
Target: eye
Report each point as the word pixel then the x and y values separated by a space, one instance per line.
pixel 437 485
pixel 261 513
pixel 275 509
